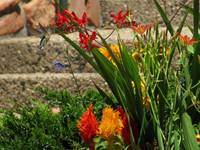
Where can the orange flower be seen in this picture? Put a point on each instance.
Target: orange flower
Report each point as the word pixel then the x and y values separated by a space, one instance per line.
pixel 88 125
pixel 111 123
pixel 141 29
pixel 186 40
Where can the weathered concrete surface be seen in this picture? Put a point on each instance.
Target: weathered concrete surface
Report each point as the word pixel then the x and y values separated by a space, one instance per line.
pixel 22 55
pixel 20 88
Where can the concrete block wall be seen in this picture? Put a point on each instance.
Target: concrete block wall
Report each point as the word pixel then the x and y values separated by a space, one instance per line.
pixel 24 67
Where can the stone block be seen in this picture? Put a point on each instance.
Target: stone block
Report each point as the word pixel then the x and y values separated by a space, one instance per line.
pixel 7 4
pixel 39 12
pixel 20 89
pixel 11 23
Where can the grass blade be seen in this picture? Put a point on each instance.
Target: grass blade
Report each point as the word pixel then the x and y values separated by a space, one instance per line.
pixel 164 17
pixel 195 62
pixel 189 140
pixel 160 139
pixel 182 23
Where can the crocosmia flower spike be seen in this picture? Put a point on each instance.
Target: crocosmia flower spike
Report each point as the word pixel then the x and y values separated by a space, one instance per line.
pixel 120 17
pixel 186 40
pixel 86 40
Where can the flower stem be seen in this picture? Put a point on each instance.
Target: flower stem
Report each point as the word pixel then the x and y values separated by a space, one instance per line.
pixel 92 146
pixel 110 143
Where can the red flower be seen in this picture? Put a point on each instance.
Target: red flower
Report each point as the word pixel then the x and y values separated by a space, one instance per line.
pixel 68 21
pixel 120 18
pixel 82 22
pixel 186 40
pixel 125 130
pixel 87 39
pixel 61 20
pixel 88 125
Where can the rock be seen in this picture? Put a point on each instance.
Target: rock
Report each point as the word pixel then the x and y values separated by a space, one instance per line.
pixel 11 18
pixel 39 12
pixel 93 11
pixel 11 23
pixel 77 6
pixel 5 4
pixel 92 8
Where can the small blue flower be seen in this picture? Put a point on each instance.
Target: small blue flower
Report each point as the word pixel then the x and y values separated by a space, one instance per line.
pixel 59 66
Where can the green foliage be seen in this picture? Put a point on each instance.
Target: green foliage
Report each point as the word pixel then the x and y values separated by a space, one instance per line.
pixel 61 4
pixel 37 127
pixel 187 76
pixel 188 133
pixel 195 68
pixel 168 89
pixel 164 17
pixel 73 104
pixel 155 80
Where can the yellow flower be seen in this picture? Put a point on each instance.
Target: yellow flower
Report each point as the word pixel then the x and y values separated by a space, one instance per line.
pixel 145 99
pixel 143 86
pixel 105 52
pixel 136 56
pixel 198 138
pixel 115 49
pixel 146 102
pixel 166 50
pixel 111 123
